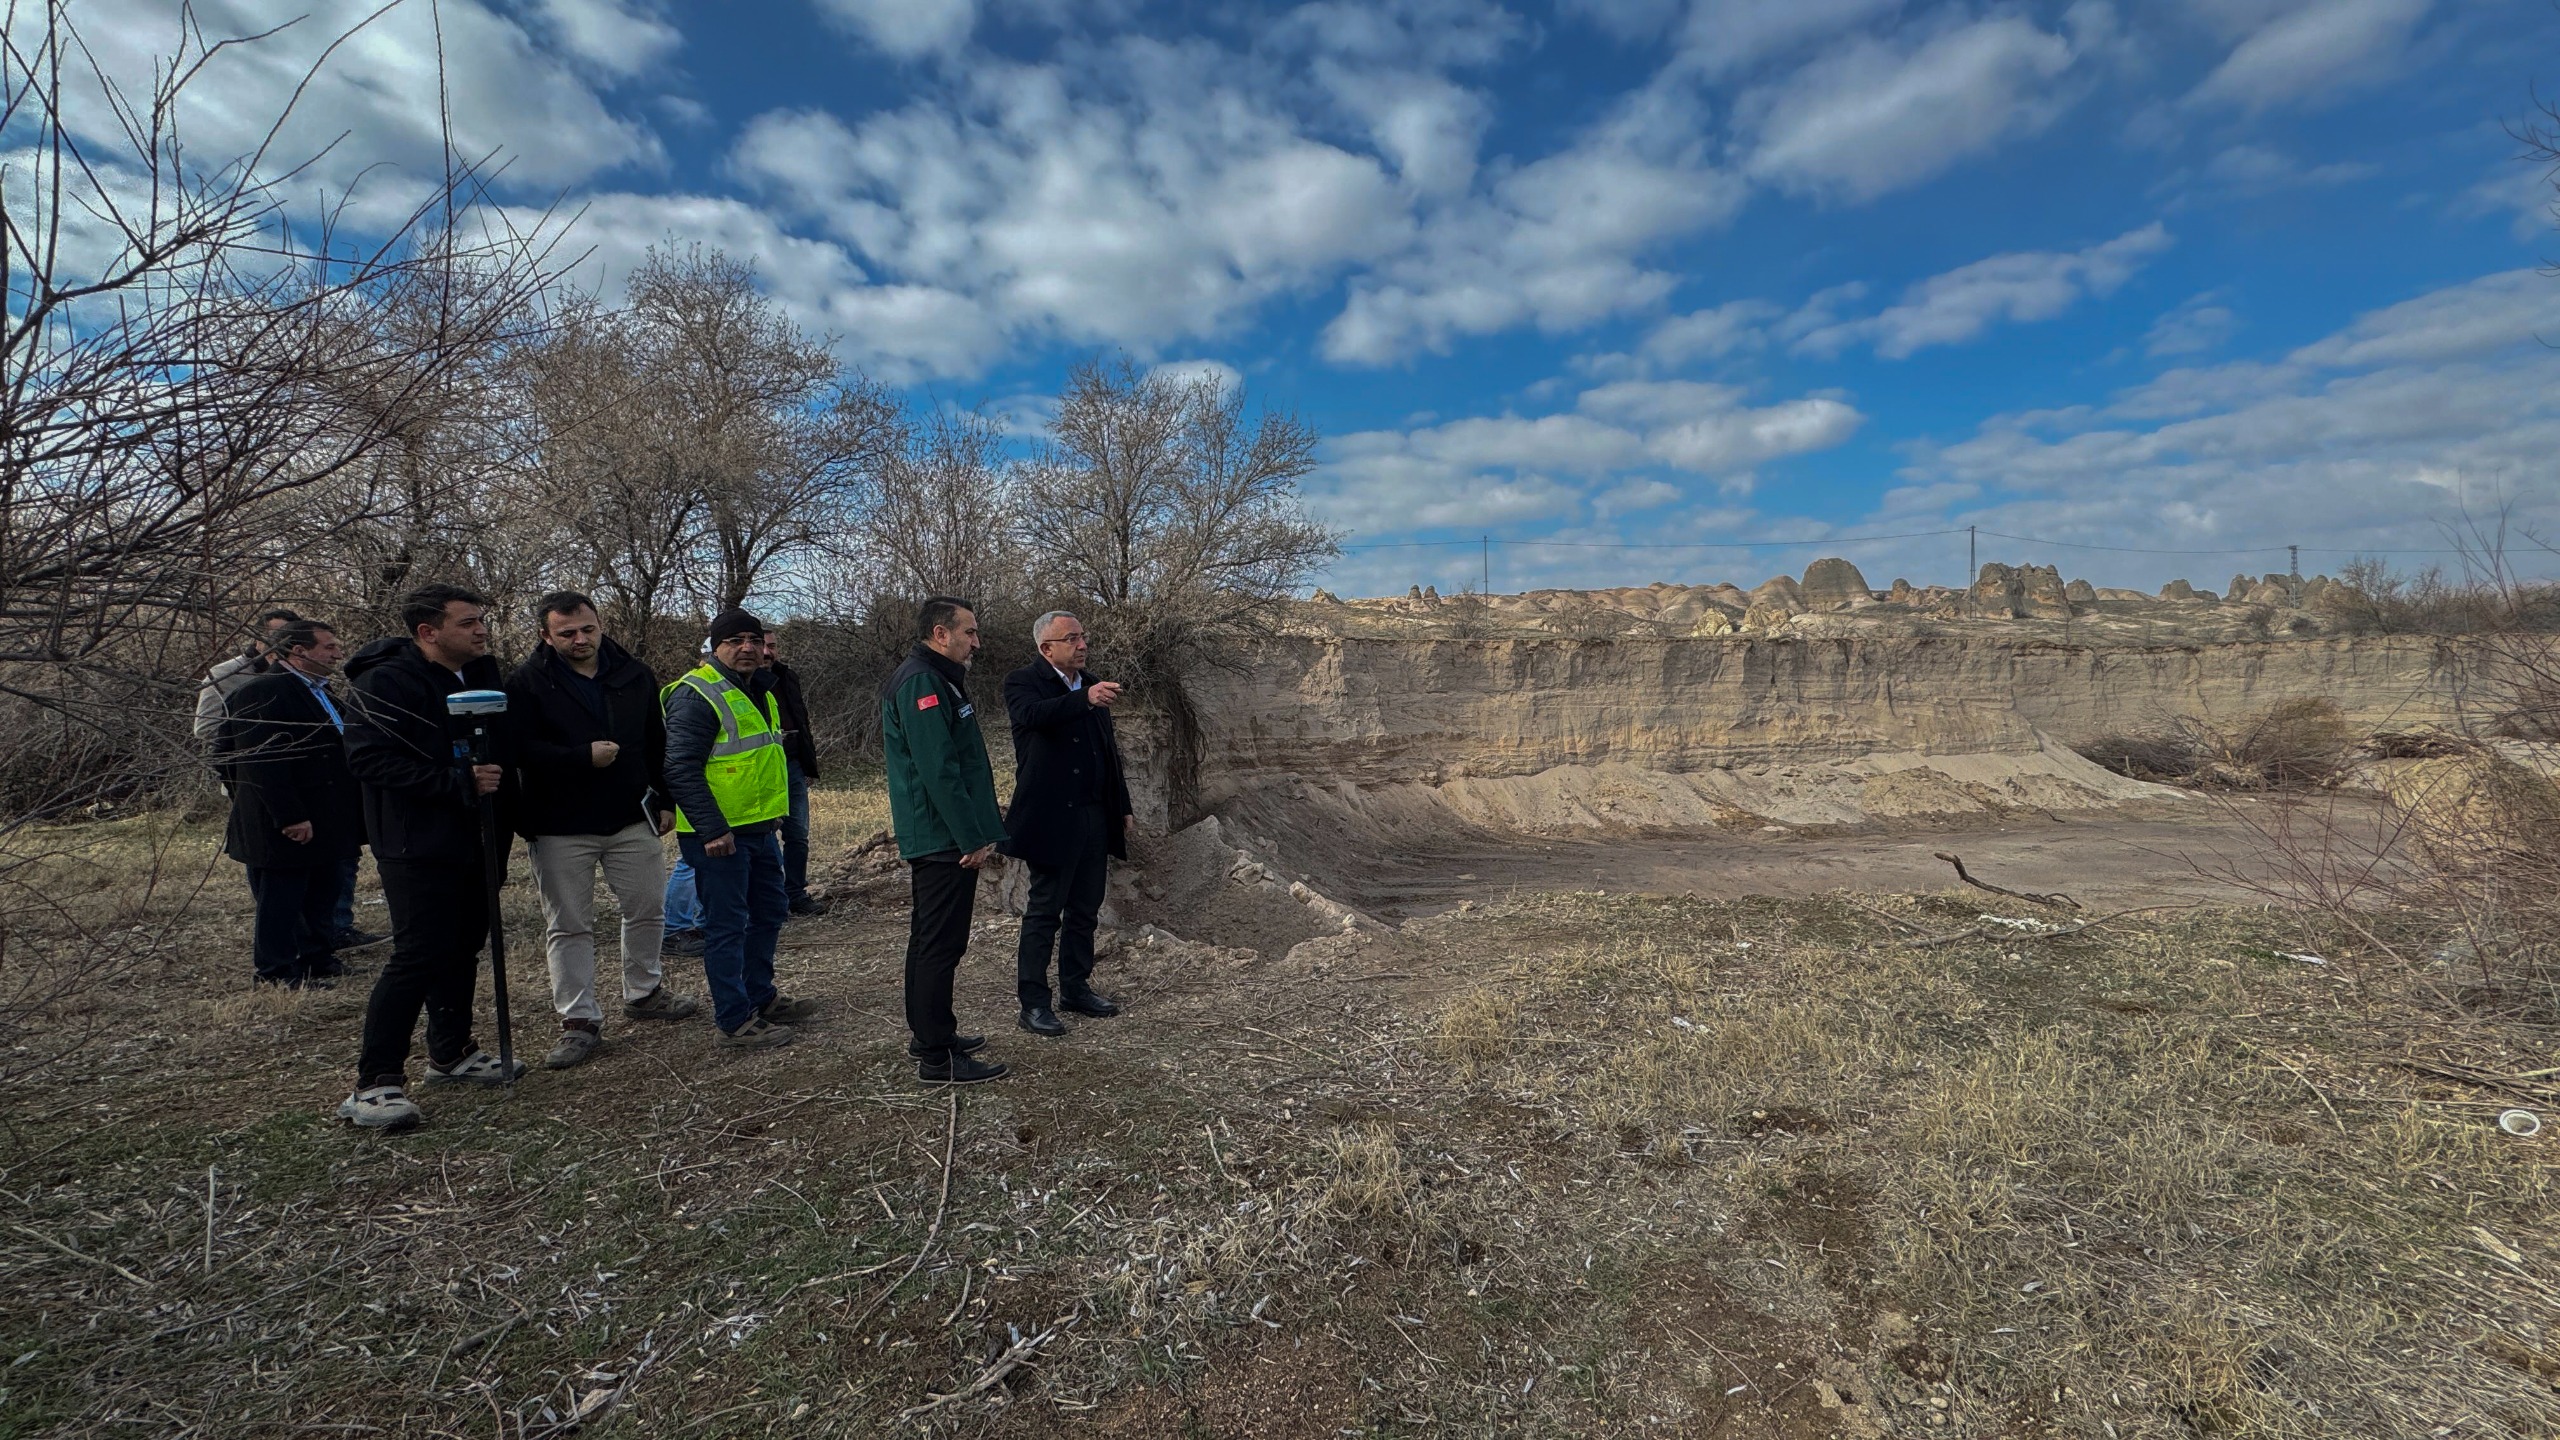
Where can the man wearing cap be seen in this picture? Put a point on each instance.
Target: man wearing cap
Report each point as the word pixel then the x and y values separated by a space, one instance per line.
pixel 942 803
pixel 732 787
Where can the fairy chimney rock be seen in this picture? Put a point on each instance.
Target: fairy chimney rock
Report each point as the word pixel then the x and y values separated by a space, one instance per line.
pixel 1779 593
pixel 1835 584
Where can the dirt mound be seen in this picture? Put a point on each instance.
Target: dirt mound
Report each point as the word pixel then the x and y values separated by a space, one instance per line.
pixel 1866 791
pixel 2474 810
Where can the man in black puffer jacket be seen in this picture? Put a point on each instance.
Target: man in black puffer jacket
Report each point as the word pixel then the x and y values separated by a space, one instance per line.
pixel 422 816
pixel 591 747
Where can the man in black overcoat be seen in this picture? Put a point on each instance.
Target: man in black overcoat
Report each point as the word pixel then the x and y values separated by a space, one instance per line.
pixel 1070 815
pixel 297 816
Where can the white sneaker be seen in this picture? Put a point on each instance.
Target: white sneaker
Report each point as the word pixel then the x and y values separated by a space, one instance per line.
pixel 479 1068
pixel 380 1107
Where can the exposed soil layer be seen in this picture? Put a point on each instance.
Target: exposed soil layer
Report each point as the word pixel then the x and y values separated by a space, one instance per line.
pixel 2145 855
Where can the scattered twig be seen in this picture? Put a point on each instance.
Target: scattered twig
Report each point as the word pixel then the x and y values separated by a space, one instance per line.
pixel 208 1219
pixel 933 1232
pixel 47 1240
pixel 1011 1360
pixel 2320 1094
pixel 2061 902
pixel 1885 915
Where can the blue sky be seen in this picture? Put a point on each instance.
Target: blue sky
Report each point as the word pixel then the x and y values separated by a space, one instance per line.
pixel 2186 275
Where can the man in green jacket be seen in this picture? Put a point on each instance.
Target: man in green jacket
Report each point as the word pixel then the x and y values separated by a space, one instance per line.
pixel 942 802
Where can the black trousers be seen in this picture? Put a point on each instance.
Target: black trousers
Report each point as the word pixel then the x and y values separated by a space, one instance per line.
pixel 439 920
pixel 295 903
pixel 946 897
pixel 1066 903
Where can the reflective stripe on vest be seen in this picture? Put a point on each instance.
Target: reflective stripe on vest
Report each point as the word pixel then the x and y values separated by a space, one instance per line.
pixel 746 771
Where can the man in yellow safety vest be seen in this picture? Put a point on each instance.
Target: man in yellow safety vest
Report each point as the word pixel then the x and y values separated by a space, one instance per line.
pixel 732 787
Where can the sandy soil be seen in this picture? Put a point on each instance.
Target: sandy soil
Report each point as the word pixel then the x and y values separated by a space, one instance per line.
pixel 2106 860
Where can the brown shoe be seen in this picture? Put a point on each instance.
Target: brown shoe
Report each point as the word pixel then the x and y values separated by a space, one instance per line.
pixel 785 1008
pixel 578 1041
pixel 659 1005
pixel 757 1034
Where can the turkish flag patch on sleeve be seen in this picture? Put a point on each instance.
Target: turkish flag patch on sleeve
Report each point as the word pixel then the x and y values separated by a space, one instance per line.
pixel 928 701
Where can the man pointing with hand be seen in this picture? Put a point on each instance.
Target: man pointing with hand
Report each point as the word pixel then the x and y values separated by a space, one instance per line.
pixel 942 802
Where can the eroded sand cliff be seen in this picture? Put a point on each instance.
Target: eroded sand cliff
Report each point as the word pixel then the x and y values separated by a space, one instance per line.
pixel 1797 705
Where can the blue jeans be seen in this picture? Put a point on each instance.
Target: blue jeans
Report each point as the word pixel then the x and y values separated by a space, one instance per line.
pixel 343 918
pixel 795 837
pixel 742 912
pixel 684 912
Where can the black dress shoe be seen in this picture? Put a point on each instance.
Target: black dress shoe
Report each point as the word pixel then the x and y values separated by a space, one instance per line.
pixel 352 938
pixel 1101 1007
pixel 960 1045
pixel 1040 1020
pixel 961 1070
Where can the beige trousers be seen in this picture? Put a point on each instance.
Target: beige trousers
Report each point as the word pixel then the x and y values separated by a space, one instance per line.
pixel 564 872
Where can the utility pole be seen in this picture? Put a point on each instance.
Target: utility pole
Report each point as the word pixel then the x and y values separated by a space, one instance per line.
pixel 1972 567
pixel 2293 563
pixel 1487 542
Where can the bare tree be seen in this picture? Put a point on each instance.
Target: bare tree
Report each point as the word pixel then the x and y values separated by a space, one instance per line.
pixel 944 519
pixel 695 449
pixel 182 366
pixel 1157 498
pixel 187 370
pixel 778 439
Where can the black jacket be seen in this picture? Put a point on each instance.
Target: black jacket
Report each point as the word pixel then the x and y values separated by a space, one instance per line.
pixel 560 791
pixel 287 766
pixel 797 742
pixel 419 803
pixel 1065 755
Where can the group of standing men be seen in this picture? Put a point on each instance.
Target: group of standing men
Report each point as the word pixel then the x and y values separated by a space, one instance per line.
pixel 595 763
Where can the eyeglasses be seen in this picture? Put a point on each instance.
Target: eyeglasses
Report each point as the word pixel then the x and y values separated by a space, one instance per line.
pixel 1066 639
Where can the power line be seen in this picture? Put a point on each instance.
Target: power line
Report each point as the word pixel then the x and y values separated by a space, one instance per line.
pixel 1694 545
pixel 1486 544
pixel 2235 549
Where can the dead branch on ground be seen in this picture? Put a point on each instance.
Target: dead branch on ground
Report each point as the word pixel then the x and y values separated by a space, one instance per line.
pixel 2059 902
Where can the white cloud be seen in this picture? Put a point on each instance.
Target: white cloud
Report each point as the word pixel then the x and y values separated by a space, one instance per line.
pixel 1556 243
pixel 1621 450
pixel 2522 191
pixel 1188 372
pixel 1710 334
pixel 1875 115
pixel 2199 323
pixel 1623 19
pixel 906 29
pixel 2504 312
pixel 1058 214
pixel 1960 304
pixel 2369 438
pixel 373 107
pixel 1633 497
pixel 2259 170
pixel 620 39
pixel 1726 443
pixel 2312 53
pixel 1727 37
pixel 899 333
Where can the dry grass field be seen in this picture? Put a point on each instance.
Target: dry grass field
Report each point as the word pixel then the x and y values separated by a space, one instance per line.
pixel 1549 1164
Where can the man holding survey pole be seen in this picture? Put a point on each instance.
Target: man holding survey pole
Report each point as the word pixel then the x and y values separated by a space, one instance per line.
pixel 422 803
